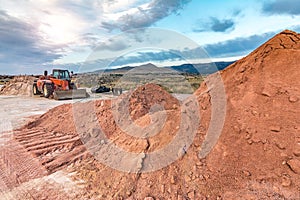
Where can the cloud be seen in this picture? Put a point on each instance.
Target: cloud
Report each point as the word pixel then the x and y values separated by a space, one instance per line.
pixel 20 46
pixel 282 7
pixel 215 25
pixel 146 16
pixel 113 44
pixel 81 8
pixel 142 57
pixel 230 48
pixel 237 47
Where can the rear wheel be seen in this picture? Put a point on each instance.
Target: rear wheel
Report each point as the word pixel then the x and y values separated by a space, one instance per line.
pixel 47 90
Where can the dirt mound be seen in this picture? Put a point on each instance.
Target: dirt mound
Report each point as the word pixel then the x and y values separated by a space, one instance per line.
pixel 19 85
pixel 256 156
pixel 54 136
pixel 257 153
pixel 58 119
pixel 145 97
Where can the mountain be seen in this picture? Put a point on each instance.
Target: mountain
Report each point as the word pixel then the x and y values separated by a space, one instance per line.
pixel 205 68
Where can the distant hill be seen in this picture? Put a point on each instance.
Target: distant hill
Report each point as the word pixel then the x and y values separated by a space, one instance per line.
pixel 205 68
pixel 120 70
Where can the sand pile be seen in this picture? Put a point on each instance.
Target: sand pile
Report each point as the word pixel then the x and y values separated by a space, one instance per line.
pixel 144 97
pixel 19 85
pixel 256 157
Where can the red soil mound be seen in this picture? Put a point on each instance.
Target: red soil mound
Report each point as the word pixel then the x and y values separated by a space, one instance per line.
pixel 257 155
pixel 144 97
pixel 58 134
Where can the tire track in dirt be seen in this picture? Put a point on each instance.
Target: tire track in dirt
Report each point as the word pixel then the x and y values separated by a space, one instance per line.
pixel 17 165
pixel 54 150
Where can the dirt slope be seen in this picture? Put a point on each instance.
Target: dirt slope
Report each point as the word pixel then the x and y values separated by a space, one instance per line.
pixel 256 157
pixel 258 152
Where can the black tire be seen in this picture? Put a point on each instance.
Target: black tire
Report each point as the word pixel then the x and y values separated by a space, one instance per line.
pixel 47 90
pixel 35 89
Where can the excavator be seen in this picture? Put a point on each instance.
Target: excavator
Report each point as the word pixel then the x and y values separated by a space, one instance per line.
pixel 59 85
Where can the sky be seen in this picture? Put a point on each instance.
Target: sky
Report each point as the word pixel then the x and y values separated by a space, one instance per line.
pixel 83 35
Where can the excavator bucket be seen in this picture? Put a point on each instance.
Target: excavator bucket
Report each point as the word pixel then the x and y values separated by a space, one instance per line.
pixel 70 94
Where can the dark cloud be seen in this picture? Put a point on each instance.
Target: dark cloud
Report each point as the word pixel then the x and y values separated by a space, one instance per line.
pixel 145 17
pixel 282 7
pixel 142 57
pixel 238 46
pixel 215 25
pixel 20 46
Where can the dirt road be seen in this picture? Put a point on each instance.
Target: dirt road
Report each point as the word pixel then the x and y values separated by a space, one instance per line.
pixel 15 111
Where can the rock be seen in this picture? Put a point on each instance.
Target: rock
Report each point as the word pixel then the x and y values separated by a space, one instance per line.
pixel 187 178
pixel 169 190
pixel 280 145
pixel 149 198
pixel 180 197
pixel 293 99
pixel 246 173
pixel 286 181
pixel 275 128
pixel 237 129
pixel 296 151
pixel 294 164
pixel 242 69
pixel 284 155
pixel 266 93
pixel 181 152
pixel 254 112
pixel 174 106
pixel 191 195
pixel 173 179
pixel 248 136
pixel 162 188
pixel 95 132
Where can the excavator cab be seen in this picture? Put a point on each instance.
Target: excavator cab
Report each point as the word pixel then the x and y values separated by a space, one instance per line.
pixel 61 74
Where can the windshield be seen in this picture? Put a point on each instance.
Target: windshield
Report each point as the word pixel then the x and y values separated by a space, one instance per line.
pixel 61 74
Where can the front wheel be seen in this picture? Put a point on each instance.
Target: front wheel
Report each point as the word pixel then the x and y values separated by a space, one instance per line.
pixel 35 90
pixel 47 90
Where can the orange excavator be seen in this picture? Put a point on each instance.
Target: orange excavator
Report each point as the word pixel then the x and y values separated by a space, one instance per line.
pixel 58 84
